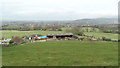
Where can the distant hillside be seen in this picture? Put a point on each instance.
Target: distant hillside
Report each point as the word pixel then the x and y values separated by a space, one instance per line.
pixel 97 21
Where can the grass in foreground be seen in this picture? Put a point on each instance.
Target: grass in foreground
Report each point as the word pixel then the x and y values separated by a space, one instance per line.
pixel 0 56
pixel 62 53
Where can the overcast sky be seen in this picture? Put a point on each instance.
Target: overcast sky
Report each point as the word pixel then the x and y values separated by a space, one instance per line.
pixel 57 9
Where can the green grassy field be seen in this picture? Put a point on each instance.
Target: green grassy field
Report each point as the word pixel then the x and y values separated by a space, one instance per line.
pixel 9 34
pixel 100 35
pixel 84 29
pixel 62 53
pixel 0 56
pixel 97 33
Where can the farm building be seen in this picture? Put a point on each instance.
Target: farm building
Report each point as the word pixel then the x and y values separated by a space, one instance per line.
pixel 60 36
pixel 35 37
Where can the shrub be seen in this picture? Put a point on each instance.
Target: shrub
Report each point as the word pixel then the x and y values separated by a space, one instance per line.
pixel 11 41
pixel 59 29
pixel 119 40
pixel 17 40
pixel 80 33
pixel 106 39
pixel 75 31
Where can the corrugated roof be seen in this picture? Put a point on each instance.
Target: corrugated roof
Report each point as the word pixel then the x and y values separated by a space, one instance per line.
pixel 59 34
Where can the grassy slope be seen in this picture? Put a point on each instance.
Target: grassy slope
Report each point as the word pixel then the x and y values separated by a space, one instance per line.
pixel 97 33
pixel 100 35
pixel 84 28
pixel 62 53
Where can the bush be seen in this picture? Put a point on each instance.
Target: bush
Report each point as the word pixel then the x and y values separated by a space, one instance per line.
pixel 103 38
pixel 106 39
pixel 17 40
pixel 119 40
pixel 59 29
pixel 11 41
pixel 81 34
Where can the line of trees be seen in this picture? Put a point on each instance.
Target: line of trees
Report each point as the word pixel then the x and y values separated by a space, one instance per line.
pixel 108 29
